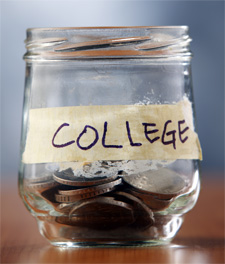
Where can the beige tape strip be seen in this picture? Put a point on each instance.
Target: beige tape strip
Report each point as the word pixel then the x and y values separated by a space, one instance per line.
pixel 111 132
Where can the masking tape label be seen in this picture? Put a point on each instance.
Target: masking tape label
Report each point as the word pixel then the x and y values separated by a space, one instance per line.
pixel 111 132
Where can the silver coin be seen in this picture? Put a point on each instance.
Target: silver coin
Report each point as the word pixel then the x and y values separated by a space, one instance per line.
pixel 162 183
pixel 67 177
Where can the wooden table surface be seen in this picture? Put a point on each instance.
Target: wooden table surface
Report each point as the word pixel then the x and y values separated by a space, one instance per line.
pixel 200 239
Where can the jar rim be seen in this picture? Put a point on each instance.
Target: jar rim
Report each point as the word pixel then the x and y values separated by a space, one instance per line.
pixel 70 43
pixel 107 27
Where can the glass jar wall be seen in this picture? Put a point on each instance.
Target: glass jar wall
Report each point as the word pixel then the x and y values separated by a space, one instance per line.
pixel 109 152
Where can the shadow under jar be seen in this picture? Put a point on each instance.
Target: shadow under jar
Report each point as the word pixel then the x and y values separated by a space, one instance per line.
pixel 109 152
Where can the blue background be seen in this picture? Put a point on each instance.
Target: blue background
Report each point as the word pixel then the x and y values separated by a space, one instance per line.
pixel 204 18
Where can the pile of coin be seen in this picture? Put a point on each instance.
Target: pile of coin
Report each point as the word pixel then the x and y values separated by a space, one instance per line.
pixel 105 203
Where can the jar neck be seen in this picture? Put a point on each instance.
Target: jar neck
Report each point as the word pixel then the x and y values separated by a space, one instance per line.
pixel 157 43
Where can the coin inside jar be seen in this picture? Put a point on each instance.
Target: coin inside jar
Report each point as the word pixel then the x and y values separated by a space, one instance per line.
pixel 41 186
pixel 76 195
pixel 94 188
pixel 67 177
pixel 163 183
pixel 151 201
pixel 99 213
pixel 108 202
pixel 42 178
pixel 144 216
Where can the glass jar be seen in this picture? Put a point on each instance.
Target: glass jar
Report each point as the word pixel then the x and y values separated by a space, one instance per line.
pixel 109 152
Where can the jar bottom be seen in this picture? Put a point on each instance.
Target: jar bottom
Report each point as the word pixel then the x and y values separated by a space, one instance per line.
pixel 161 233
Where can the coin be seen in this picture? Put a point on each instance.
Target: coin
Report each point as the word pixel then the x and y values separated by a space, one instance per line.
pixel 101 43
pixel 95 188
pixel 41 186
pixel 45 176
pixel 49 195
pixel 143 214
pixel 152 202
pixel 95 222
pixel 68 198
pixel 38 179
pixel 73 198
pixel 67 177
pixel 99 213
pixel 162 183
pixel 157 44
pixel 109 201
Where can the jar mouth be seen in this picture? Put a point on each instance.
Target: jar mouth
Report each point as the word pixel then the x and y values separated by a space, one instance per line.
pixel 72 43
pixel 185 27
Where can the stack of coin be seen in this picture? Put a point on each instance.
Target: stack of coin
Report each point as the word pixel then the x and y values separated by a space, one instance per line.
pixel 105 203
pixel 96 203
